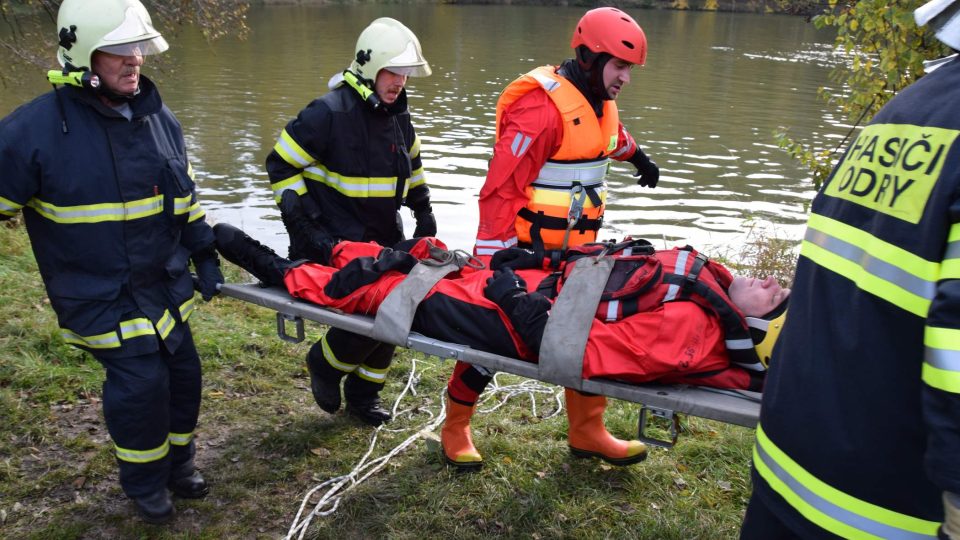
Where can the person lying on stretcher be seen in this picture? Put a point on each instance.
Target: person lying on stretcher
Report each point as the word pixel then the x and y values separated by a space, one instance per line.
pixel 670 316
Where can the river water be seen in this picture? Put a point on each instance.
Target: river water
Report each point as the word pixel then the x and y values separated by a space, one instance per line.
pixel 715 88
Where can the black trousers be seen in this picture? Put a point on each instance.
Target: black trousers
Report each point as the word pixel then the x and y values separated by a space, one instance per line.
pixel 151 403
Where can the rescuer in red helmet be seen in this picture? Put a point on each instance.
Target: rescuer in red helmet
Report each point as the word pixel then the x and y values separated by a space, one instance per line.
pixel 557 128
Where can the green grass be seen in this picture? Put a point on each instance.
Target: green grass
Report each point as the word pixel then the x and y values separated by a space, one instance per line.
pixel 264 444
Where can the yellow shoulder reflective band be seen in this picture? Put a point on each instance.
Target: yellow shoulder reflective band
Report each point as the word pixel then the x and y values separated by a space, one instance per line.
pixel 830 508
pixel 143 456
pixel 941 361
pixel 951 258
pixel 291 152
pixel 878 267
pixel 8 207
pixel 892 168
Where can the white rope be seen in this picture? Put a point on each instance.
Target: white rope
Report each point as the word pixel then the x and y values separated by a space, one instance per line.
pixel 339 486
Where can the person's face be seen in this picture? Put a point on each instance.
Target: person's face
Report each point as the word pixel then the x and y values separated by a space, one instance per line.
pixel 616 75
pixel 756 296
pixel 389 85
pixel 119 74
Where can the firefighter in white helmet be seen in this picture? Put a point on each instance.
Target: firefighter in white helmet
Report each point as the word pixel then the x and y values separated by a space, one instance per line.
pixel 859 432
pixel 99 169
pixel 345 166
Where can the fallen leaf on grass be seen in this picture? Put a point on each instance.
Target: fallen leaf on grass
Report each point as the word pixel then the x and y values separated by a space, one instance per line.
pixel 680 483
pixel 320 451
pixel 79 482
pixel 724 486
pixel 215 393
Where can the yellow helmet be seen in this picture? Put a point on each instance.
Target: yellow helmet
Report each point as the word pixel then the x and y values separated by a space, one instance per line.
pixel 115 26
pixel 765 331
pixel 387 44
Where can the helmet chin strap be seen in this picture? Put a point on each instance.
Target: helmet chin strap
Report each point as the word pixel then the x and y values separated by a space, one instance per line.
pixel 592 65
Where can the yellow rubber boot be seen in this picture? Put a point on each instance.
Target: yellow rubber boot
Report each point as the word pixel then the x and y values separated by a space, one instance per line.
pixel 456 444
pixel 588 437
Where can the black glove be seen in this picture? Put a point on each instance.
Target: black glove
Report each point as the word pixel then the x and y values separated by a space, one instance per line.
pixel 515 258
pixel 648 174
pixel 505 288
pixel 209 276
pixel 426 224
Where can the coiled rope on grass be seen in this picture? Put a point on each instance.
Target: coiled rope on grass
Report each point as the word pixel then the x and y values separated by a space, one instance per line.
pixel 337 488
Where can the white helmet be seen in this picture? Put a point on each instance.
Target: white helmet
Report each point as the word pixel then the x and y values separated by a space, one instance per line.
pixel 942 17
pixel 388 44
pixel 120 27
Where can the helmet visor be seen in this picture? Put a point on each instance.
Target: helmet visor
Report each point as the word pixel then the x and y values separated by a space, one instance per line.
pixel 145 47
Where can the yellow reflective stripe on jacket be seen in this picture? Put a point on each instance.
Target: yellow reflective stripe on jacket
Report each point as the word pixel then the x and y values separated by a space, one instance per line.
pixel 372 374
pixel 195 212
pixel 291 152
pixel 295 183
pixel 941 361
pixel 180 439
pixel 136 327
pixel 880 268
pixel 98 213
pixel 165 324
pixel 181 205
pixel 950 268
pixel 8 207
pixel 828 507
pixel 186 308
pixel 332 358
pixel 353 186
pixel 108 340
pixel 417 178
pixel 143 456
pixel 415 147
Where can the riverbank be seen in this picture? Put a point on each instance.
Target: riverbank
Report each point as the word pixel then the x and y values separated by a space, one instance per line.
pixel 263 444
pixel 803 7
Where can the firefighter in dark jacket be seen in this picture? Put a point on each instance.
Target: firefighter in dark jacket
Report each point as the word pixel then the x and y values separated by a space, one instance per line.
pixel 100 171
pixel 859 433
pixel 352 158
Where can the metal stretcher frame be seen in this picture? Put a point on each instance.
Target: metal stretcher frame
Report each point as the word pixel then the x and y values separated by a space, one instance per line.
pixel 664 401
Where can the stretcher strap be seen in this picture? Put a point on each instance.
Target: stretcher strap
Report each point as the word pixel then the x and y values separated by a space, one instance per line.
pixel 395 315
pixel 565 336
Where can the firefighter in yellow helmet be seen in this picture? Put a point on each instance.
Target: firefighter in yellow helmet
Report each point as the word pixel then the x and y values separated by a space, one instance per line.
pixel 859 432
pixel 321 184
pixel 99 169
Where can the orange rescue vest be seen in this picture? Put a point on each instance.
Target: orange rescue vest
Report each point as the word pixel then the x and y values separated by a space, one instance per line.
pixel 570 186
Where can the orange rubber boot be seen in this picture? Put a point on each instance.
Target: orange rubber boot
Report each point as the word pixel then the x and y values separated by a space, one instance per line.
pixel 456 445
pixel 588 437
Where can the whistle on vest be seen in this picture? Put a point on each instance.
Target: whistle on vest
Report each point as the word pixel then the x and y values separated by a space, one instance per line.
pixel 81 79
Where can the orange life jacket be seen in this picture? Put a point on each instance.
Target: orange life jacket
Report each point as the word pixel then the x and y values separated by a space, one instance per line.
pixel 570 185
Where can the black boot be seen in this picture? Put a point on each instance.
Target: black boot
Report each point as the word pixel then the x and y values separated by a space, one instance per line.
pixel 252 256
pixel 308 240
pixel 155 508
pixel 363 401
pixel 187 482
pixel 324 380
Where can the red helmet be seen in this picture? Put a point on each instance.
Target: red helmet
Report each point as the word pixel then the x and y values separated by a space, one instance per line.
pixel 612 31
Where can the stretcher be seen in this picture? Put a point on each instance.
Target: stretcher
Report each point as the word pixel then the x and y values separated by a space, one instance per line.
pixel 664 402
